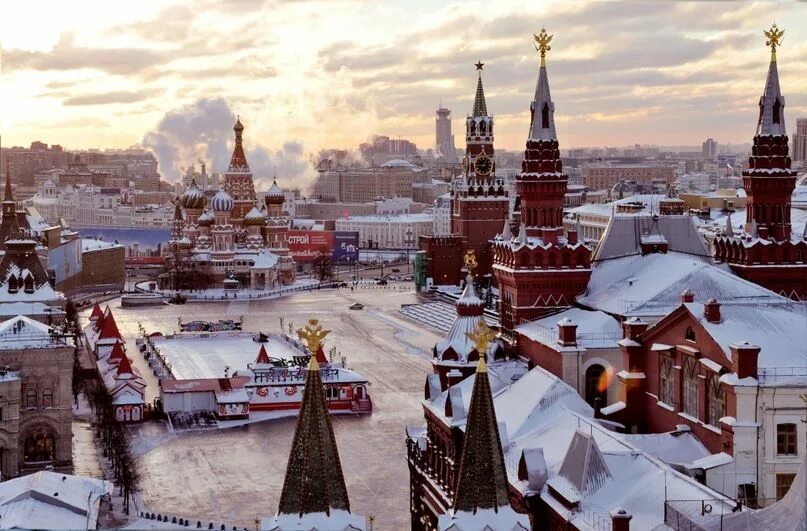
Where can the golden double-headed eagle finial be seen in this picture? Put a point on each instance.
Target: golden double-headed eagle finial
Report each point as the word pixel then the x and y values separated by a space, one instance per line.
pixel 774 37
pixel 481 336
pixel 542 41
pixel 470 260
pixel 313 335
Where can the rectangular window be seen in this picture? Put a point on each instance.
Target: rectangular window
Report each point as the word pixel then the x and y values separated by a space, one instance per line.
pixel 666 376
pixel 786 439
pixel 689 387
pixel 783 482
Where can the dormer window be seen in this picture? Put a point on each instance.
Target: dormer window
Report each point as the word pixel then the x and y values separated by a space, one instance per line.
pixel 777 111
pixel 13 286
pixel 29 283
pixel 545 116
pixel 690 335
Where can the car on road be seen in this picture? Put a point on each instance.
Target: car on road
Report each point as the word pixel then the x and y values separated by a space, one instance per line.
pixel 396 270
pixel 382 282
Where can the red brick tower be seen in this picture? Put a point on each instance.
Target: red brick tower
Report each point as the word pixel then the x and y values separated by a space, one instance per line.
pixel 238 179
pixel 479 203
pixel 766 251
pixel 540 270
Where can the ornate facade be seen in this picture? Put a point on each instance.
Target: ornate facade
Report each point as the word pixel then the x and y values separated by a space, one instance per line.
pixel 229 236
pixel 766 251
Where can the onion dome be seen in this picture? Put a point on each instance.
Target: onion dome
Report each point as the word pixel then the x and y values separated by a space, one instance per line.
pixel 206 219
pixel 275 194
pixel 193 198
pixel 222 202
pixel 254 217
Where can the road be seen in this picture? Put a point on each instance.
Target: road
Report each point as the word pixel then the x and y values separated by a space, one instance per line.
pixel 235 475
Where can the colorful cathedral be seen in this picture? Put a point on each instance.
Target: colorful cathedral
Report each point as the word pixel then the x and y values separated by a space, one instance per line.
pixel 230 240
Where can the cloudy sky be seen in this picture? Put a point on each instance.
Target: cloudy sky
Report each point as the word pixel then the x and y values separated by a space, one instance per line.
pixel 305 75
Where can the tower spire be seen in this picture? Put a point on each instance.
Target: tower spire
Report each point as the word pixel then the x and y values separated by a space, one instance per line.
pixel 772 103
pixel 482 486
pixel 542 110
pixel 8 195
pixel 482 481
pixel 238 162
pixel 314 482
pixel 480 106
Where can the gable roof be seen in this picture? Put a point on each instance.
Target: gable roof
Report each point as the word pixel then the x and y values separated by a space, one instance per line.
pixel 624 233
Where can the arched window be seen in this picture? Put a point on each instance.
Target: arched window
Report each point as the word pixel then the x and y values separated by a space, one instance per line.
pixel 689 387
pixel 39 447
pixel 30 398
pixel 596 385
pixel 545 116
pixel 665 380
pixel 47 398
pixel 690 334
pixel 717 401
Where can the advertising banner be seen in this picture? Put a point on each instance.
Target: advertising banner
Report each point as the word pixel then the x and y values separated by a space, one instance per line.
pixel 345 247
pixel 305 245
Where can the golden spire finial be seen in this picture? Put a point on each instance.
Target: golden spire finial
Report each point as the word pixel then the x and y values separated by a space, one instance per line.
pixel 481 336
pixel 542 41
pixel 774 37
pixel 312 334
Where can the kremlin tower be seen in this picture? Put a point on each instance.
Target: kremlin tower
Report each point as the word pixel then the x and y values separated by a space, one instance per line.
pixel 479 203
pixel 765 250
pixel 540 270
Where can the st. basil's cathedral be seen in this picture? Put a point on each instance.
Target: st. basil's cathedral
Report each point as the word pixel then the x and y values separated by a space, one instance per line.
pixel 229 237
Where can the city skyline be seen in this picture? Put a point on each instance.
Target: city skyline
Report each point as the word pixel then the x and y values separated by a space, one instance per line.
pixel 170 77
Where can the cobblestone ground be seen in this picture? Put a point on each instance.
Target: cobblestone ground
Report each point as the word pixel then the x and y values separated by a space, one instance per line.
pixel 235 475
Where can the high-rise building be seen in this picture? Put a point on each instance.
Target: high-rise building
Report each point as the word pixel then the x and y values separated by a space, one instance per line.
pixel 444 139
pixel 800 140
pixel 709 148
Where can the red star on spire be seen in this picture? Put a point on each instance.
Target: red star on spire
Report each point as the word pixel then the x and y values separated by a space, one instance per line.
pixel 479 65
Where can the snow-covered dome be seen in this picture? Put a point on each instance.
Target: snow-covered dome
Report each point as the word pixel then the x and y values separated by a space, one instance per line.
pixel 254 217
pixel 193 197
pixel 222 202
pixel 397 163
pixel 275 190
pixel 206 219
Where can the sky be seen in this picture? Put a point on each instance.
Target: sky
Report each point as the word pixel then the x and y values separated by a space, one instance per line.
pixel 311 74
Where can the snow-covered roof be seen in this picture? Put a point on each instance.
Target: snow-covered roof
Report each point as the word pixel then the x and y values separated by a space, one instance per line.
pixel 779 330
pixel 90 244
pixel 397 163
pixel 22 332
pixel 651 285
pixel 49 500
pixel 265 260
pixel 595 329
pixel 623 236
pixel 338 520
pixel 540 411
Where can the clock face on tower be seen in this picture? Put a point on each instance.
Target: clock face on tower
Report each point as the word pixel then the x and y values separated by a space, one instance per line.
pixel 483 165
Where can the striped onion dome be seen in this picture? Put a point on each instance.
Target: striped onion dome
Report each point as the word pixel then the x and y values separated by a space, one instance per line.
pixel 222 202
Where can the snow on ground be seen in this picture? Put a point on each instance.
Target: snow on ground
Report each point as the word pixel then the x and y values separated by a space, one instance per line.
pixel 439 315
pixel 218 294
pixel 206 355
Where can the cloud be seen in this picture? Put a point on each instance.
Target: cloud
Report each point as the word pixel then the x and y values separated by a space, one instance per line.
pixel 104 98
pixel 203 131
pixel 65 55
